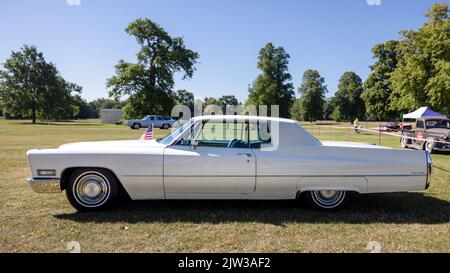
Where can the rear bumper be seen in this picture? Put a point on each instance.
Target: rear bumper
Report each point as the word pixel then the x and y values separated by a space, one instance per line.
pixel 45 185
pixel 429 169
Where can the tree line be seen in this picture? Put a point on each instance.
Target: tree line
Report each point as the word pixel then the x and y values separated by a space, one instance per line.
pixel 407 73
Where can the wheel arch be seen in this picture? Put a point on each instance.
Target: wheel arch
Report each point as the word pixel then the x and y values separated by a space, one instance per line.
pixel 67 172
pixel 358 184
pixel 354 190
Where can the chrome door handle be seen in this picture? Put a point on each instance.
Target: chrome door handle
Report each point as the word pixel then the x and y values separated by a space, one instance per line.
pixel 245 154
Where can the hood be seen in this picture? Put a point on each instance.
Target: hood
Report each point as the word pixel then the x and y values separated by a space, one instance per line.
pixel 119 144
pixel 352 145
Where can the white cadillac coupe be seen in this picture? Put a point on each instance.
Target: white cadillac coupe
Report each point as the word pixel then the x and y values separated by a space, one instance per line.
pixel 226 157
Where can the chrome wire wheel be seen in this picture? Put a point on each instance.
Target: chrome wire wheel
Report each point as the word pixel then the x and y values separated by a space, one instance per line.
pixel 328 199
pixel 91 189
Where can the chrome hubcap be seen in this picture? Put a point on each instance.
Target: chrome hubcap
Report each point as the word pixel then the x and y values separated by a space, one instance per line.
pixel 92 189
pixel 328 199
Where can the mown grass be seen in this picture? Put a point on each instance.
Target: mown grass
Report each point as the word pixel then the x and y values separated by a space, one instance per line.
pixel 29 222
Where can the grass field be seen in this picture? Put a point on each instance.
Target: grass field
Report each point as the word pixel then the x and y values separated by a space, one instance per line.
pixel 29 222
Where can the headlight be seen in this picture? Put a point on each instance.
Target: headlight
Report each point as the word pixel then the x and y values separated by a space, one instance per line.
pixel 46 172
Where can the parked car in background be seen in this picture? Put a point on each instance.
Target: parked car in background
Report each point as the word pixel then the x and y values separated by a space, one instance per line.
pixel 227 157
pixel 427 131
pixel 389 127
pixel 157 121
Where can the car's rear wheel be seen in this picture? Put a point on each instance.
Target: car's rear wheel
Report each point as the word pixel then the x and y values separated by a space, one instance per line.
pixel 92 189
pixel 165 126
pixel 136 126
pixel 326 200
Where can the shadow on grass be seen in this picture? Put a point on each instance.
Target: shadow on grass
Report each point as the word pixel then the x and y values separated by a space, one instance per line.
pixel 398 208
pixel 62 123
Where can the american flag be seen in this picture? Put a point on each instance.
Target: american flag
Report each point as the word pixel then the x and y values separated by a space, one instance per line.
pixel 148 135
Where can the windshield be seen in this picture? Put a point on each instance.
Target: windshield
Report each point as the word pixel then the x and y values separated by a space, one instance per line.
pixel 442 124
pixel 174 135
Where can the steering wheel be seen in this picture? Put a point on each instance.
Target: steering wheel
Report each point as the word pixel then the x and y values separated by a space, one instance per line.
pixel 232 142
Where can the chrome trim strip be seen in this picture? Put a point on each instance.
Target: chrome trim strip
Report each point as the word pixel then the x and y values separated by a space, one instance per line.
pixel 45 185
pixel 142 175
pixel 345 175
pixel 299 175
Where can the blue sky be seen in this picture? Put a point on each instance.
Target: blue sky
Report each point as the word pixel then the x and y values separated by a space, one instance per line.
pixel 86 41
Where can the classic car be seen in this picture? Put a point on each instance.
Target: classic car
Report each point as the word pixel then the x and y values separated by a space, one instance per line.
pixel 430 134
pixel 157 121
pixel 227 157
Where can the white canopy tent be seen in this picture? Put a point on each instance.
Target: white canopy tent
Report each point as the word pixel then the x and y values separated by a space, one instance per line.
pixel 423 112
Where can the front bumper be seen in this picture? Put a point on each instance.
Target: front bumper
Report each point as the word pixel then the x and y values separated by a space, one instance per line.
pixel 45 185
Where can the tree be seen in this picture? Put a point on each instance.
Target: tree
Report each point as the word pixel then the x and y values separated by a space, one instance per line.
pixel 328 108
pixel 148 83
pixel 226 101
pixel 377 96
pixel 30 86
pixel 312 91
pixel 105 103
pixel 59 102
pixel 186 98
pixel 422 77
pixel 349 104
pixel 85 110
pixel 210 101
pixel 272 86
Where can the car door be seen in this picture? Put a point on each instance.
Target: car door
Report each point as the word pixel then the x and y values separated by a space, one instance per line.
pixel 159 121
pixel 221 166
pixel 148 120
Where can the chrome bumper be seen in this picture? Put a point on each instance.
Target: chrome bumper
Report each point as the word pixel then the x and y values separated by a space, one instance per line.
pixel 429 169
pixel 45 185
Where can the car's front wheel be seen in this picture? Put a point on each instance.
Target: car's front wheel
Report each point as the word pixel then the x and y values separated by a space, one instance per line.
pixel 326 200
pixel 92 189
pixel 136 126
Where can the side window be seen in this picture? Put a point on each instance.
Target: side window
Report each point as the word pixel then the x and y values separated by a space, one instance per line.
pixel 420 124
pixel 159 118
pixel 223 134
pixel 151 118
pixel 259 134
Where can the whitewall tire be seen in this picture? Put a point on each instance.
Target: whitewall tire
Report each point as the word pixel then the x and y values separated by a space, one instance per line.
pixel 326 200
pixel 92 189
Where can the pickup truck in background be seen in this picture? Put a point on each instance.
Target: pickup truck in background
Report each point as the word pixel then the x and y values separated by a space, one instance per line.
pixel 428 134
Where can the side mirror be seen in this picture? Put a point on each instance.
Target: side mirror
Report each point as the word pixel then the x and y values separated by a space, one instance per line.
pixel 194 144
